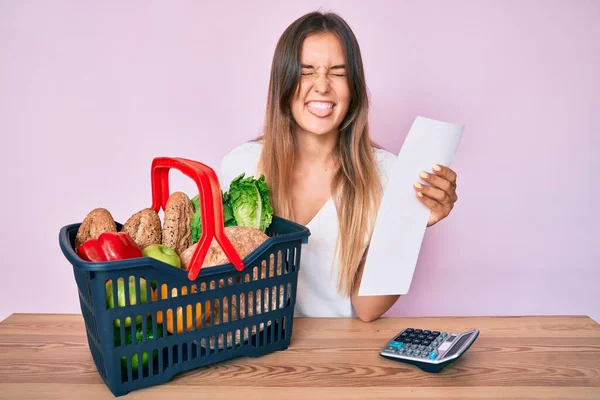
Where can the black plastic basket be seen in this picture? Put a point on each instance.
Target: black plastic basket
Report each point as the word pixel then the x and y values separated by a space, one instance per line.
pixel 176 323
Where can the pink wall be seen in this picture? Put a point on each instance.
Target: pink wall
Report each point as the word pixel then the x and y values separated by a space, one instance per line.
pixel 91 92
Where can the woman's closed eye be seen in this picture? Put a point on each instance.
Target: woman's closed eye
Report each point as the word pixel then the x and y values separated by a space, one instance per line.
pixel 336 71
pixel 313 73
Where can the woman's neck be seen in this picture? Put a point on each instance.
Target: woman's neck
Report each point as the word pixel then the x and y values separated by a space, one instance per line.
pixel 315 150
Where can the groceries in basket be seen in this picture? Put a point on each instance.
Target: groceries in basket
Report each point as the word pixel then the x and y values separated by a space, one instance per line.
pixel 247 214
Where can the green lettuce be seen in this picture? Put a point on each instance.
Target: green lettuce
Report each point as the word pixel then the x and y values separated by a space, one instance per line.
pixel 249 199
pixel 245 204
pixel 196 225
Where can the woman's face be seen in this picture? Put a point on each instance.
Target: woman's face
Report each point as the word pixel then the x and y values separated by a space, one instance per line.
pixel 323 98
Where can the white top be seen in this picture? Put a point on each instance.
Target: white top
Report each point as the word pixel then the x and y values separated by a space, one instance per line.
pixel 316 294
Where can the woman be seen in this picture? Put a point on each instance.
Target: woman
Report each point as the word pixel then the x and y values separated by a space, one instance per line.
pixel 323 170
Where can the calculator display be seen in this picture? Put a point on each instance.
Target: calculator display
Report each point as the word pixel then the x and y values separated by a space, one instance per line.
pixel 457 345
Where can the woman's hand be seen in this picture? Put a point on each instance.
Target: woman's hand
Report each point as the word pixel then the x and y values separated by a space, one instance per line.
pixel 441 196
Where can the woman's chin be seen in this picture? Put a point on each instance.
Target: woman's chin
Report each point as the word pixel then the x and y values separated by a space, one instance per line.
pixel 320 128
pixel 319 131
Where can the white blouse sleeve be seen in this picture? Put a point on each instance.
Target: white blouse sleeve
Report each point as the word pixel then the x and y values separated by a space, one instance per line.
pixel 242 159
pixel 385 163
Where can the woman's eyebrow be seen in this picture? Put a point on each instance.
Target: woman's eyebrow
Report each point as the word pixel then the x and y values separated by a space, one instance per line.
pixel 339 66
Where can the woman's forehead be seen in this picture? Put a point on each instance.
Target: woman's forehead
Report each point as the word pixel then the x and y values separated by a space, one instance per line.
pixel 322 50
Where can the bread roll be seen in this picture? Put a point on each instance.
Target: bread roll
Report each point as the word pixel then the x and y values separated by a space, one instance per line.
pixel 98 220
pixel 177 232
pixel 244 239
pixel 144 227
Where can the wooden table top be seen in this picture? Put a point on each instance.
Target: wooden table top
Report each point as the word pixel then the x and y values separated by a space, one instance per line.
pixel 547 357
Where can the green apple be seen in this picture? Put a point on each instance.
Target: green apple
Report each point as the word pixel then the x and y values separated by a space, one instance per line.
pixel 162 253
pixel 110 301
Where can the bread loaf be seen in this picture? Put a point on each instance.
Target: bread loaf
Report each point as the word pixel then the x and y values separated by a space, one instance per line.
pixel 144 227
pixel 177 232
pixel 97 221
pixel 244 239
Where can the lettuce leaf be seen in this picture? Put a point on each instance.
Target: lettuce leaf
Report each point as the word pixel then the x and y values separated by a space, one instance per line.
pixel 246 201
pixel 267 209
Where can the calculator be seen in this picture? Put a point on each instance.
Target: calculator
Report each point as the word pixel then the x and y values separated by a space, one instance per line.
pixel 431 351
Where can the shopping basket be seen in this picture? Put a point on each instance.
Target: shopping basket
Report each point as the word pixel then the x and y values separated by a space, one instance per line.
pixel 172 320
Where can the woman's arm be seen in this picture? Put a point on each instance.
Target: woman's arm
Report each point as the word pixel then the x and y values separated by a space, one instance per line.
pixel 369 308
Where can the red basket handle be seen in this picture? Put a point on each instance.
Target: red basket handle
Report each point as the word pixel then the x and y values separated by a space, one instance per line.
pixel 211 207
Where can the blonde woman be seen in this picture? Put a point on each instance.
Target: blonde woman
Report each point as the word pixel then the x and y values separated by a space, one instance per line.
pixel 322 167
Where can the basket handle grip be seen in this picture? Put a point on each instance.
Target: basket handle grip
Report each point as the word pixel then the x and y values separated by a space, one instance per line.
pixel 210 207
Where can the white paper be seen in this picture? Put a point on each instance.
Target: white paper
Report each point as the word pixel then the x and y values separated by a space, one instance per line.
pixel 402 218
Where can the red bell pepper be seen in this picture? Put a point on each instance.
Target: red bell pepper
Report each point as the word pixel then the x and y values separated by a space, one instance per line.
pixel 109 246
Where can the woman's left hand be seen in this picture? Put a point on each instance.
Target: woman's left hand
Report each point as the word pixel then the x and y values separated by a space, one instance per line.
pixel 441 196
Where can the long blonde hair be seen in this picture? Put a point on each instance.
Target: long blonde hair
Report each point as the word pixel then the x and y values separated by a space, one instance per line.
pixel 356 187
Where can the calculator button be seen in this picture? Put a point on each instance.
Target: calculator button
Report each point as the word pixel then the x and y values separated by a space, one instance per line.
pixel 435 333
pixel 409 330
pixel 430 338
pixel 426 332
pixel 433 355
pixel 408 341
pixel 416 341
pixel 390 349
pixel 412 336
pixel 418 330
pixel 421 336
pixel 396 344
pixel 426 342
pixel 444 334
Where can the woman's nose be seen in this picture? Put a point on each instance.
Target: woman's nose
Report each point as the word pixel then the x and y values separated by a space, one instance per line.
pixel 321 83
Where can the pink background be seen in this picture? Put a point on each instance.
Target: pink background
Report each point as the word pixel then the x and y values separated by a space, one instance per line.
pixel 90 92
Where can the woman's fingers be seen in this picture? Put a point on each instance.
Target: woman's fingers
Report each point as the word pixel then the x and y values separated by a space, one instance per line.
pixel 446 173
pixel 434 193
pixel 439 183
pixel 441 195
pixel 438 210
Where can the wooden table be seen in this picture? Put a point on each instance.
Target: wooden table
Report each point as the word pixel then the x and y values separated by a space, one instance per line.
pixel 556 357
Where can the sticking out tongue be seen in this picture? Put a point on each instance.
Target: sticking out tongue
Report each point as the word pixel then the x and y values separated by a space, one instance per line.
pixel 320 109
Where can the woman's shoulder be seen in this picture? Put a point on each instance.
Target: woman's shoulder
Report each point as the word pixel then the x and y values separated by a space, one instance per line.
pixel 243 158
pixel 385 162
pixel 244 151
